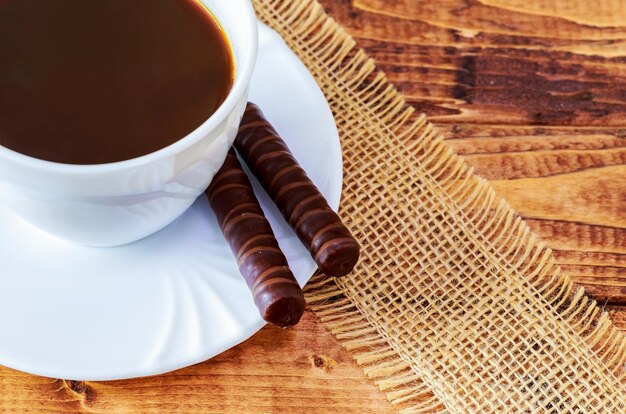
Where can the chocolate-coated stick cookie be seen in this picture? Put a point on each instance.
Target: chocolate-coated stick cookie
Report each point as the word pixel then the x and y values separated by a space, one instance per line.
pixel 332 246
pixel 261 262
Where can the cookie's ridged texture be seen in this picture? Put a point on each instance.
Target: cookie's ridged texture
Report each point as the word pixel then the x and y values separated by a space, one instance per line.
pixel 261 262
pixel 316 224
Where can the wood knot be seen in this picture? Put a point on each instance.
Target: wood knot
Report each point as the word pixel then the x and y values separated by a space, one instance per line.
pixel 466 78
pixel 84 390
pixel 323 362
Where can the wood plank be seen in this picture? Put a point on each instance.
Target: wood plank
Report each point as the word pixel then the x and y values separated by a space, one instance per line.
pixel 594 196
pixel 533 95
pixel 530 92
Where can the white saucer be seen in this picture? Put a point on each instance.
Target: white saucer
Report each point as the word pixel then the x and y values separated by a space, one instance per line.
pixel 175 298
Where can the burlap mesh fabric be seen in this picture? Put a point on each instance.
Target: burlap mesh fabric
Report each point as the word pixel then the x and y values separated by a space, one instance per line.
pixel 456 306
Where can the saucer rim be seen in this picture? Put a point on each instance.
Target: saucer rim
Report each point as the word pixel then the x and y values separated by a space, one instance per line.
pixel 245 331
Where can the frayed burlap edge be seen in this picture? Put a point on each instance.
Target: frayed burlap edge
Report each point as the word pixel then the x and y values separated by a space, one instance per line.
pixel 575 359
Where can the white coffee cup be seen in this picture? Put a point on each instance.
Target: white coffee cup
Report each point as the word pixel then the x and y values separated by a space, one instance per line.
pixel 118 203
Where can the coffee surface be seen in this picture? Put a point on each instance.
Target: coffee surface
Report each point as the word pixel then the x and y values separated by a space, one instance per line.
pixel 100 81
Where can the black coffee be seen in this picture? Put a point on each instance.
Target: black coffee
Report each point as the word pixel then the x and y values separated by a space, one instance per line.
pixel 98 81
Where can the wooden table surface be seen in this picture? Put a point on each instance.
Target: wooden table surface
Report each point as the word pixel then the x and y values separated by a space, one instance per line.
pixel 532 93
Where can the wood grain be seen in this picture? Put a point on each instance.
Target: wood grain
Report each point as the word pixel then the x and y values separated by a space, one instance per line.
pixel 532 93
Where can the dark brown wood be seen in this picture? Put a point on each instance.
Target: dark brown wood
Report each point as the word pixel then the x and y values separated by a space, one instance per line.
pixel 532 93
